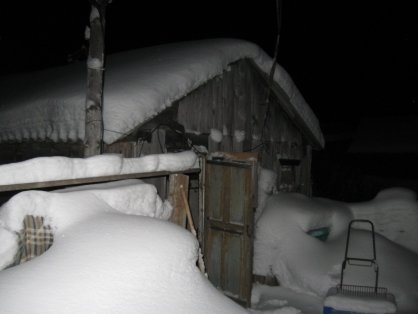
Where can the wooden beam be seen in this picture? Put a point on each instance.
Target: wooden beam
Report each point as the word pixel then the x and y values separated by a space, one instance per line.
pixel 176 184
pixel 57 183
pixel 93 138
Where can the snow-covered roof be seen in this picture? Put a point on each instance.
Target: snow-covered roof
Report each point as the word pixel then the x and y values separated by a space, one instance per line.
pixel 139 84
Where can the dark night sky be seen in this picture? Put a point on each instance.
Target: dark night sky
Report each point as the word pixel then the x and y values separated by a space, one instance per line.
pixel 348 59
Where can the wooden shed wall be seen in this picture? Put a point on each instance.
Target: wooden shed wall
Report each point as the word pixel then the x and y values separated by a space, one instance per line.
pixel 236 102
pixel 232 102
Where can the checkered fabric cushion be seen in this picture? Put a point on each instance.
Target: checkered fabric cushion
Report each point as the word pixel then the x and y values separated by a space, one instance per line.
pixel 34 239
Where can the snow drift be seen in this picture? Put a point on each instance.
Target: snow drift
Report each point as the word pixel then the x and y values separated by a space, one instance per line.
pixel 306 264
pixel 43 169
pixel 394 212
pixel 103 259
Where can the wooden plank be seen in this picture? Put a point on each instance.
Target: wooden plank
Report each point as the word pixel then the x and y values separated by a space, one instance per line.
pixel 48 184
pixel 240 106
pixel 229 227
pixel 202 178
pixel 126 149
pixel 284 101
pixel 157 144
pixel 305 172
pixel 95 81
pixel 177 183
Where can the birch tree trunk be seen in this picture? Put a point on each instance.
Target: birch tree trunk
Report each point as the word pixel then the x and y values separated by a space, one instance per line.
pixel 93 138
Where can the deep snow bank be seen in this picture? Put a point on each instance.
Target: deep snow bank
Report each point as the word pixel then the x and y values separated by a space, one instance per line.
pixel 306 264
pixel 64 208
pixel 394 212
pixel 104 260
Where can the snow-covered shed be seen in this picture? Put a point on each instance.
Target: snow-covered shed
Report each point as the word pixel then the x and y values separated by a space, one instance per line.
pixel 209 93
pixel 209 96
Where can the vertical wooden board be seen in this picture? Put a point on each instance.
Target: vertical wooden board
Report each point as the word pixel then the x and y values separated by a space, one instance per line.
pixel 157 144
pixel 226 144
pixel 240 107
pixel 127 149
pixel 202 209
pixel 213 256
pixel 227 105
pixel 206 112
pixel 194 199
pixel 239 195
pixel 213 146
pixel 177 183
pixel 226 192
pixel 215 198
pixel 232 279
pixel 305 172
pixel 232 266
pixel 182 116
pixel 248 109
pixel 240 97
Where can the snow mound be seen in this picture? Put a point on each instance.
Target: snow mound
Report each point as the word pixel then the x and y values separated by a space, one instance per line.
pixel 104 260
pixel 282 245
pixel 394 213
pixel 64 208
pixel 308 265
pixel 43 169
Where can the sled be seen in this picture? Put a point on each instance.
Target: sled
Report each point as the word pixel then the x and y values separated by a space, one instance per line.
pixel 356 299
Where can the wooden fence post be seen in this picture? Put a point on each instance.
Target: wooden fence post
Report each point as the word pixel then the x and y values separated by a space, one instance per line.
pixel 177 183
pixel 93 139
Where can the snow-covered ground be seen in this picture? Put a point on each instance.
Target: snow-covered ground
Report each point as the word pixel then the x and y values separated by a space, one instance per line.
pixel 113 251
pixel 305 265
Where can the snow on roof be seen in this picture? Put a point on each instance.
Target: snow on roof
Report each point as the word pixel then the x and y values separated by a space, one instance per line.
pixel 139 84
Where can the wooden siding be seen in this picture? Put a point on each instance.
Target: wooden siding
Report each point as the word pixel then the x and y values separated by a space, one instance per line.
pixel 14 152
pixel 232 102
pixel 236 101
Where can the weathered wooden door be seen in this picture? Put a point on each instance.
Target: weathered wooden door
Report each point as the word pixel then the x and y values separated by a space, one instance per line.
pixel 230 200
